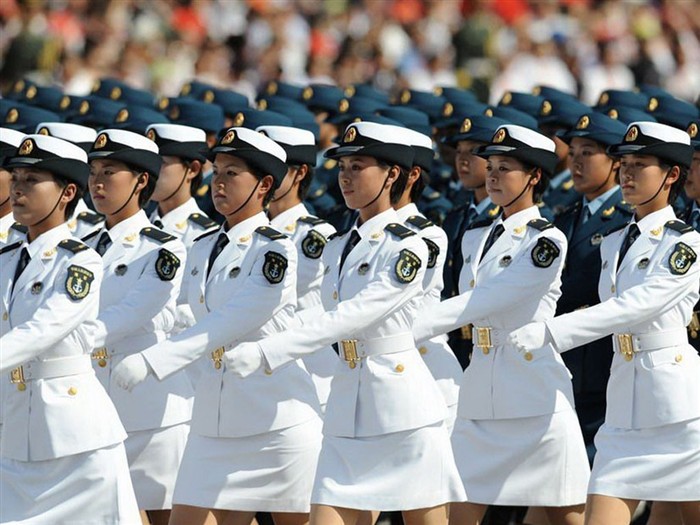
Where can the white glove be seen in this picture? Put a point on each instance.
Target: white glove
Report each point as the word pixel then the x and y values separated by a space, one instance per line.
pixel 530 337
pixel 244 359
pixel 131 371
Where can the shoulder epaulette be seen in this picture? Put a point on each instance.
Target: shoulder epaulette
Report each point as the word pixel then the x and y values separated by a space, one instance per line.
pixel 540 224
pixel 337 234
pixel 10 247
pixel 202 220
pixel 616 229
pixel 157 235
pixel 270 233
pixel 398 230
pixel 207 234
pixel 678 226
pixel 72 245
pixel 313 221
pixel 625 206
pixel 90 218
pixel 480 224
pixel 419 221
pixel 19 227
pixel 90 235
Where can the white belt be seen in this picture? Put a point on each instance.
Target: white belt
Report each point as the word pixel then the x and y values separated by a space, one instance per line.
pixel 61 367
pixel 354 350
pixel 629 344
pixel 127 346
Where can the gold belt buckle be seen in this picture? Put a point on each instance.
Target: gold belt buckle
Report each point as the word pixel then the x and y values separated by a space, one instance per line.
pixel 216 356
pixel 483 337
pixel 624 341
pixel 17 375
pixel 467 331
pixel 694 326
pixel 350 352
pixel 101 355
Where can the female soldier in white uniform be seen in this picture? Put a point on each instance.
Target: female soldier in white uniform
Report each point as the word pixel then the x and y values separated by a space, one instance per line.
pixel 385 446
pixel 254 442
pixel 649 445
pixel 143 271
pixel 62 459
pixel 516 439
pixel 9 142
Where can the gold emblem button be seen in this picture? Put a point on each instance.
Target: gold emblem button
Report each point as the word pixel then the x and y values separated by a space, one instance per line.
pixel 102 363
pixel 472 283
pixel 217 364
pixel 21 387
pixel 423 350
pixel 72 391
pixel 335 296
pixel 4 316
pixel 628 356
pixel 528 356
pixel 486 351
pixel 399 368
pixel 268 372
pixel 679 358
pixel 612 288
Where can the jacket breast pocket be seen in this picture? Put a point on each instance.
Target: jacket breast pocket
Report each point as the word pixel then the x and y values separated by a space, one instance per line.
pixel 665 357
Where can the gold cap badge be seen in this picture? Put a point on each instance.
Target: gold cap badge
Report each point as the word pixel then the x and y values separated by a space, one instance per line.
pixel 546 108
pixel 506 98
pixel 350 135
pixel 583 122
pixel 653 104
pixel 500 136
pixel 229 137
pixel 632 134
pixel 101 141
pixel 466 126
pixel 26 147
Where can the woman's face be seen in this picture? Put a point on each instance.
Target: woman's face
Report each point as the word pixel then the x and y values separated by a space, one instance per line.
pixel 692 183
pixel 172 171
pixel 111 184
pixel 471 169
pixel 506 179
pixel 361 179
pixel 34 194
pixel 591 168
pixel 641 176
pixel 232 183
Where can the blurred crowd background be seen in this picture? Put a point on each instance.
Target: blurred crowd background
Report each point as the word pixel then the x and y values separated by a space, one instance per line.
pixel 489 46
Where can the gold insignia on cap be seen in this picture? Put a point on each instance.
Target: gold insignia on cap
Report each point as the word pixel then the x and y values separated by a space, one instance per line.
pixel 405 96
pixel 44 131
pixel 96 85
pixel 466 126
pixel 500 136
pixel 186 89
pixel 229 137
pixel 31 92
pixel 239 119
pixel 208 96
pixel 488 112
pixel 272 88
pixel 84 107
pixel 151 134
pixel 307 93
pixel 506 98
pixel 26 147
pixel 632 134
pixel 65 102
pixel 101 141
pixel 693 130
pixel 613 114
pixel 175 113
pixel 163 103
pixel 546 108
pixel 262 104
pixel 343 105
pixel 583 122
pixel 19 86
pixel 350 91
pixel 653 104
pixel 448 109
pixel 350 134
pixel 12 116
pixel 122 116
pixel 116 93
pixel 437 91
pixel 604 97
pixel 536 90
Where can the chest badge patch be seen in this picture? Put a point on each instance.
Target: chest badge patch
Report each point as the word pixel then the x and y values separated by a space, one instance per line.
pixel 544 253
pixel 681 259
pixel 313 244
pixel 78 282
pixel 407 266
pixel 167 265
pixel 274 267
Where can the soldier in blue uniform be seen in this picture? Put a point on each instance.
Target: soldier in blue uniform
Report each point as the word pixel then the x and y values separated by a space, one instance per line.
pixel 692 217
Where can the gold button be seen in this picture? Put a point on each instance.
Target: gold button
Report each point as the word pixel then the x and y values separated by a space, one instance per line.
pixel 352 364
pixel 72 391
pixel 612 288
pixel 335 296
pixel 102 363
pixel 21 387
pixel 201 299
pixel 399 368
pixel 679 358
pixel 423 350
pixel 4 316
pixel 528 356
pixel 472 283
pixel 628 357
pixel 268 372
pixel 486 351
pixel 217 364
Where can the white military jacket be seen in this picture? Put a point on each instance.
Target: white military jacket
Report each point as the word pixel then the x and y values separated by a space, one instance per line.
pixel 249 292
pixel 10 231
pixel 143 269
pixel 437 354
pixel 373 300
pixel 651 297
pixel 517 282
pixel 58 414
pixel 186 222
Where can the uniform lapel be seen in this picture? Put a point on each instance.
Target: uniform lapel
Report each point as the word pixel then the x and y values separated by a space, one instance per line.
pixel 33 269
pixel 640 247
pixel 229 255
pixel 502 245
pixel 10 268
pixel 359 252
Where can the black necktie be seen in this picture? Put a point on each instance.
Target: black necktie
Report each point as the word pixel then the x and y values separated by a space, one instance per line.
pixel 496 232
pixel 103 243
pixel 352 242
pixel 158 224
pixel 219 246
pixel 24 259
pixel 632 234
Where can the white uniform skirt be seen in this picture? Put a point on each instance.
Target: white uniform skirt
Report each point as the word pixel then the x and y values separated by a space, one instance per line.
pixel 154 458
pixel 655 464
pixel 407 470
pixel 271 472
pixel 91 488
pixel 533 461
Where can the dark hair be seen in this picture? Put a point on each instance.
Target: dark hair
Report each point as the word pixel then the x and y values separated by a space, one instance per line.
pixel 421 182
pixel 197 180
pixel 541 186
pixel 677 186
pixel 305 183
pixel 260 176
pixel 63 182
